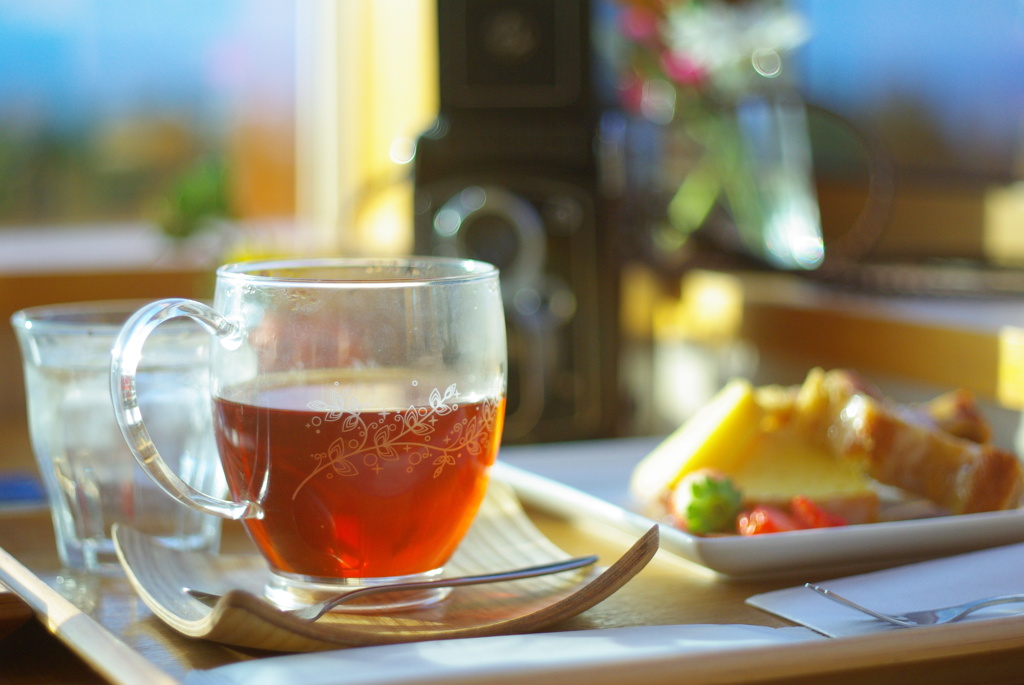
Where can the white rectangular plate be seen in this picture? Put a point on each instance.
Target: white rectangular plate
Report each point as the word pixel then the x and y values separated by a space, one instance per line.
pixel 588 482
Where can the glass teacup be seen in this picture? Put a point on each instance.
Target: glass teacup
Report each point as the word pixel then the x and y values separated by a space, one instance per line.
pixel 358 407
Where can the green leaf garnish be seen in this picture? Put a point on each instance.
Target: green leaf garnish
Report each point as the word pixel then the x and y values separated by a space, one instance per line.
pixel 714 504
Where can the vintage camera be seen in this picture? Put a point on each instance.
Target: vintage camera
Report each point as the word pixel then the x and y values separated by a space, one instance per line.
pixel 510 174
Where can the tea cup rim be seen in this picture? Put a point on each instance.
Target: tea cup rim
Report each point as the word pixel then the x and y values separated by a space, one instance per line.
pixel 404 271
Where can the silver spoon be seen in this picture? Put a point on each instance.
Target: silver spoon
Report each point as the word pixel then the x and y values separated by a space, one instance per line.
pixel 314 611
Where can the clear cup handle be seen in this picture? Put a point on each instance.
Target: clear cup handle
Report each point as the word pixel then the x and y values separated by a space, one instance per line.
pixel 125 357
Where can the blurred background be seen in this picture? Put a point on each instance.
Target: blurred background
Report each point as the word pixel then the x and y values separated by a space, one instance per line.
pixel 604 153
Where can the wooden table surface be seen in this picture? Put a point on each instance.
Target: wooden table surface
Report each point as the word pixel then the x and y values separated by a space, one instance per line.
pixel 668 591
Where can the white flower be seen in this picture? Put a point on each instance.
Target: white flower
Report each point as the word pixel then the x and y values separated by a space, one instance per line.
pixel 722 38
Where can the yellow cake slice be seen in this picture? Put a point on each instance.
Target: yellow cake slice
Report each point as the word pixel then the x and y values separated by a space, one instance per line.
pixel 783 464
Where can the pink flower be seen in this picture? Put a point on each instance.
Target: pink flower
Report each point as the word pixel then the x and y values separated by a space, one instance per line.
pixel 631 93
pixel 639 24
pixel 683 69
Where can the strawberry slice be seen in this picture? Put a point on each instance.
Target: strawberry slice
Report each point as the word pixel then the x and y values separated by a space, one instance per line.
pixel 809 515
pixel 764 519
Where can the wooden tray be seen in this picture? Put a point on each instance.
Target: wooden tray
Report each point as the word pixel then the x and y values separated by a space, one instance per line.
pixel 502 537
pixel 125 643
pixel 13 611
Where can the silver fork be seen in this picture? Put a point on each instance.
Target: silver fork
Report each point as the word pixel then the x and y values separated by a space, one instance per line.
pixel 928 617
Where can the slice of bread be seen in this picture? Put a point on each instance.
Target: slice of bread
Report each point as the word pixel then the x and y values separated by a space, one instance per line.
pixel 956 413
pixel 960 475
pixel 938 450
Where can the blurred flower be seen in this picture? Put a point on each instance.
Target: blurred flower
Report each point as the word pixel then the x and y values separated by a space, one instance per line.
pixel 702 66
pixel 683 69
pixel 639 24
pixel 707 45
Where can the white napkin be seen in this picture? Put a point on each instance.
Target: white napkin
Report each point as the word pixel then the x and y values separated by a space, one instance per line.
pixel 924 585
pixel 590 657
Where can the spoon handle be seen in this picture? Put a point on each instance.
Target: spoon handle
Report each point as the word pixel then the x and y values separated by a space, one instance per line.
pixel 315 611
pixel 321 608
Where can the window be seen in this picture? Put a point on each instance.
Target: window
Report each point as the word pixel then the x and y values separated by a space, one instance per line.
pixel 104 103
pixel 108 106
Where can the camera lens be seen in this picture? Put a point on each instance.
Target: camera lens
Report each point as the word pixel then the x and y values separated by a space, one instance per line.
pixel 495 225
pixel 491 238
pixel 510 36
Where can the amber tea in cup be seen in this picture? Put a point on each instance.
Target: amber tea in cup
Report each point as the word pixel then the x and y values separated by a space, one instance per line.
pixel 358 407
pixel 357 493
